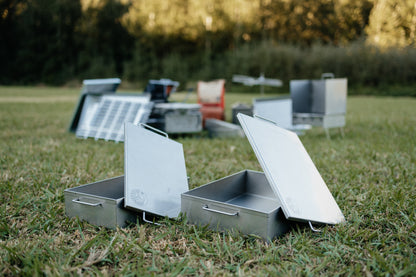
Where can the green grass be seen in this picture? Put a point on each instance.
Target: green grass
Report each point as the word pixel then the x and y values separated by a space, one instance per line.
pixel 371 172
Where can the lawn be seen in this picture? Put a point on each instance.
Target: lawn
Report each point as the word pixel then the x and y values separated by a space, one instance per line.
pixel 371 173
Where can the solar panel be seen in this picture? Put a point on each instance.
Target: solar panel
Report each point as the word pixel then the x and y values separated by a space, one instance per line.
pixel 105 116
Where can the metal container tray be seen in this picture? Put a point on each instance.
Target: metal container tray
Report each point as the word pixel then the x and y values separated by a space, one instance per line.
pixel 155 177
pixel 329 96
pixel 176 118
pixel 320 102
pixel 100 203
pixel 291 183
pixel 325 96
pixel 243 201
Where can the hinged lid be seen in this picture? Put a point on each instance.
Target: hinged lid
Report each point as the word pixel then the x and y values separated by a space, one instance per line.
pixel 155 172
pixel 291 173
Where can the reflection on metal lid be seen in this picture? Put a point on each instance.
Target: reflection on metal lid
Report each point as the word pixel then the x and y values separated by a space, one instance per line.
pixel 155 172
pixel 291 173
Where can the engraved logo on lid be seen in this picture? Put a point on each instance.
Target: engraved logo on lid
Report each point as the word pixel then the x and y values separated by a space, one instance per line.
pixel 138 196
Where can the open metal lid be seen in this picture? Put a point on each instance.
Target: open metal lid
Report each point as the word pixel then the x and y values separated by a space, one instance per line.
pixel 291 173
pixel 155 172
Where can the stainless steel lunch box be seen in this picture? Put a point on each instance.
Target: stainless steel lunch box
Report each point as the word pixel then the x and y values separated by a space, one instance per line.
pixel 100 203
pixel 155 176
pixel 243 201
pixel 176 118
pixel 265 204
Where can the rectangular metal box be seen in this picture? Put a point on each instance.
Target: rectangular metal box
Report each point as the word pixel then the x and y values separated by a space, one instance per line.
pixel 265 204
pixel 325 96
pixel 319 102
pixel 176 122
pixel 100 203
pixel 329 96
pixel 155 176
pixel 243 201
pixel 155 171
pixel 176 118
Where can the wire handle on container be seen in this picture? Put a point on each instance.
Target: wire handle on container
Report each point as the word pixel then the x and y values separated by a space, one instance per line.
pixel 205 207
pixel 78 200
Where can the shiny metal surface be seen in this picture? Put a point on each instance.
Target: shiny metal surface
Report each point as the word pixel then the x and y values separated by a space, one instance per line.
pixel 243 201
pixel 154 170
pixel 336 100
pixel 301 94
pixel 329 96
pixel 291 173
pixel 278 110
pixel 205 207
pixel 176 118
pixel 177 122
pixel 100 203
pixel 324 96
pixel 79 201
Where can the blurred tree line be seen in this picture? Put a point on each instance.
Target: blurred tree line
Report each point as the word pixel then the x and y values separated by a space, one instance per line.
pixel 56 41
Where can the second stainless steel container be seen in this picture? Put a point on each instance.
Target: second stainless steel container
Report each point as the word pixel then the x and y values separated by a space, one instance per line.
pixel 243 201
pixel 100 203
pixel 290 189
pixel 176 118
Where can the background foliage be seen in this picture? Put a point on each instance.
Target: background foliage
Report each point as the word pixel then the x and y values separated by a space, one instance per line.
pixel 371 42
